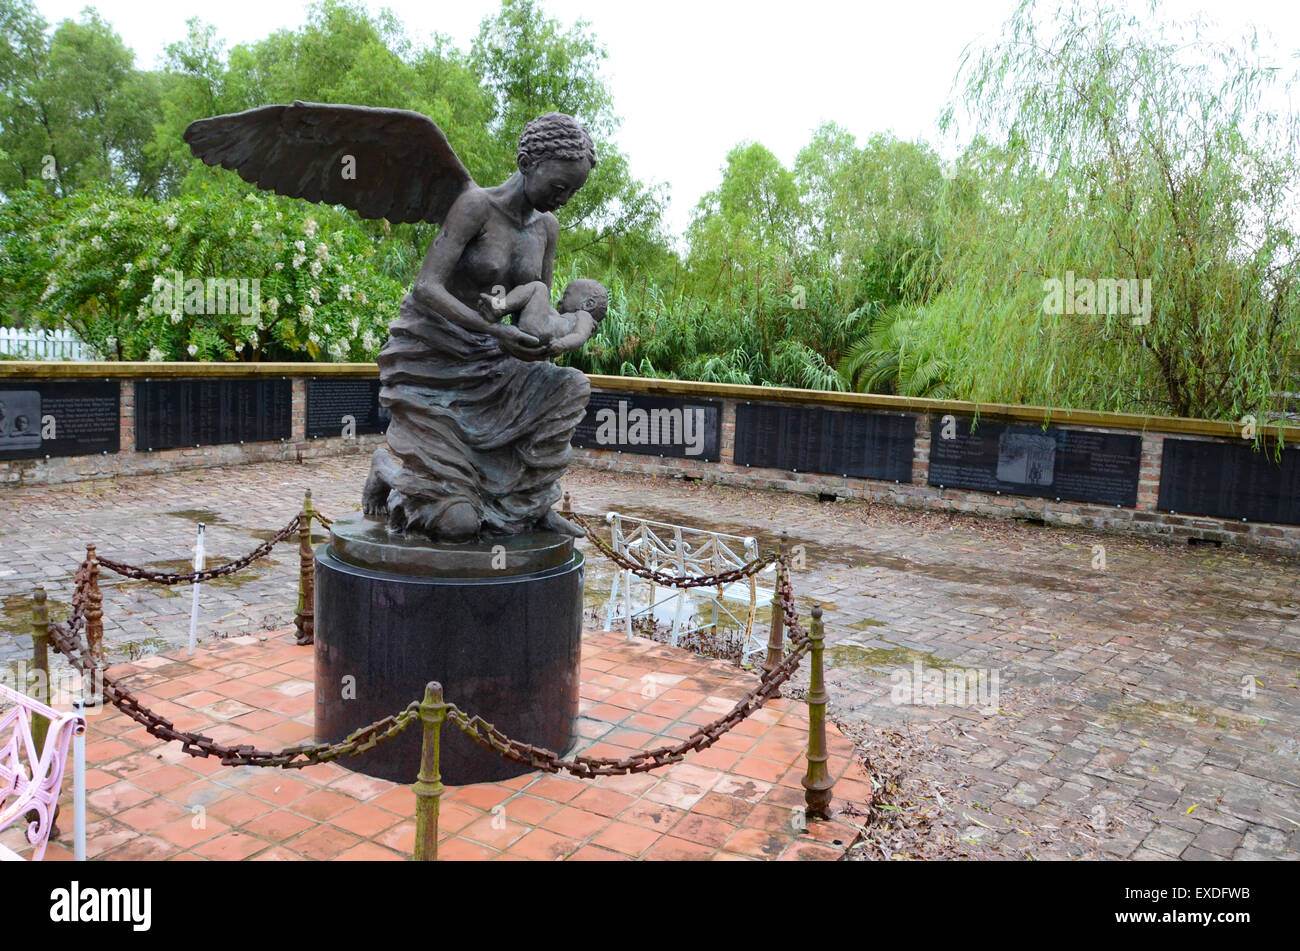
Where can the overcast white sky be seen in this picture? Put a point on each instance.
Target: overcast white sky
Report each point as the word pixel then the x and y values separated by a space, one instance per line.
pixel 691 78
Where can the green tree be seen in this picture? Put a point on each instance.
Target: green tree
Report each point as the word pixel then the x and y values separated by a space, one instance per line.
pixel 75 109
pixel 1130 153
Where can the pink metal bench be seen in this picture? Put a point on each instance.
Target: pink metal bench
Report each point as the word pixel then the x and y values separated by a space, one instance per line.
pixel 30 779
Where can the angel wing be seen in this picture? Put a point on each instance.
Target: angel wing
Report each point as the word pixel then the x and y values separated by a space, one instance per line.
pixel 382 163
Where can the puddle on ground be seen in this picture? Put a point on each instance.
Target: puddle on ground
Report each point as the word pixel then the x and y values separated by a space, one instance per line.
pixel 16 617
pixel 265 535
pixel 206 516
pixel 137 647
pixel 693 608
pixel 865 623
pixel 183 566
pixel 855 657
pixel 1151 713
pixel 160 590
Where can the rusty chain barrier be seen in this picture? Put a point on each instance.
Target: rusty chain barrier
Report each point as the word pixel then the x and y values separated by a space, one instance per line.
pixel 641 570
pixel 207 574
pixel 86 657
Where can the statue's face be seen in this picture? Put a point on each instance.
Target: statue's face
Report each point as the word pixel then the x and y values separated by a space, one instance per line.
pixel 551 183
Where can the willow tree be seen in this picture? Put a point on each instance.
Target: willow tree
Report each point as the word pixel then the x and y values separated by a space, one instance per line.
pixel 1129 149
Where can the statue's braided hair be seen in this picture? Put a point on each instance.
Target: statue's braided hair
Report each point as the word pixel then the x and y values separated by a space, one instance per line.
pixel 556 136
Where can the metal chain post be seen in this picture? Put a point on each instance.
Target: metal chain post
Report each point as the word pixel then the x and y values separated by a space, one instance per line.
pixel 776 640
pixel 305 618
pixel 40 690
pixel 817 782
pixel 428 787
pixel 94 609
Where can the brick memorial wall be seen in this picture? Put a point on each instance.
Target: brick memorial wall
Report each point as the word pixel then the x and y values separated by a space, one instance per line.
pixel 1170 478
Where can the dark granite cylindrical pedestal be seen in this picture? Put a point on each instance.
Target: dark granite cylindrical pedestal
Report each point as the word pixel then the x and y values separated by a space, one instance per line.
pixel 504 642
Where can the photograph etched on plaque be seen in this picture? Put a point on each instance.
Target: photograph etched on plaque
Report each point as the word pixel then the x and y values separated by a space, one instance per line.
pixel 1026 458
pixel 1068 464
pixel 652 426
pixel 59 419
pixel 830 442
pixel 20 420
pixel 1230 480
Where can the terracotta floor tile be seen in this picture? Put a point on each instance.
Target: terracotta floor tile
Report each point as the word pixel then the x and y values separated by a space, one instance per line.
pixel 117 797
pixel 231 847
pixel 151 814
pixel 529 810
pixel 670 849
pixel 365 820
pixel 761 769
pixel 463 850
pixel 576 824
pixel 757 843
pixel 483 796
pixel 143 848
pixel 705 830
pixel 165 779
pixel 652 815
pixel 401 837
pixel 625 838
pixel 555 788
pixel 544 846
pixel 495 831
pixel 399 799
pixel 278 825
pixel 360 786
pixel 676 795
pixel 323 805
pixel 278 853
pixel 370 852
pixel 280 789
pixel 239 809
pixel 603 802
pixel 323 843
pixel 811 852
pixel 776 820
pixel 189 831
pixel 593 853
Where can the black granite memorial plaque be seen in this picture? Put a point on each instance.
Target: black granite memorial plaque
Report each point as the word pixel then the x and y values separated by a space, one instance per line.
pixel 1230 480
pixel 344 407
pixel 39 419
pixel 171 414
pixel 862 445
pixel 1028 460
pixel 652 426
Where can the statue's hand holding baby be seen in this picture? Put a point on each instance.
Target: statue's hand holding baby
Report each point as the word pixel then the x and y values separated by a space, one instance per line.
pixel 494 303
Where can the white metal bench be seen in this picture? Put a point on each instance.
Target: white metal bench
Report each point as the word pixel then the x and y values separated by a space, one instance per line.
pixel 674 549
pixel 30 779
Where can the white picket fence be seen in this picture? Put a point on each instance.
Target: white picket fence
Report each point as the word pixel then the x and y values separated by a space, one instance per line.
pixel 43 344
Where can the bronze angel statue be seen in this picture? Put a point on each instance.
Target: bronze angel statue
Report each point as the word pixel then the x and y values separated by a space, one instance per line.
pixel 481 421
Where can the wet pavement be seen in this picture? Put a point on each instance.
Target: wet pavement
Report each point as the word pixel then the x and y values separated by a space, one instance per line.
pixel 1076 694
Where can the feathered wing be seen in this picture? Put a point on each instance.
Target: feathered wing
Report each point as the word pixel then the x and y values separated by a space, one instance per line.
pixel 402 167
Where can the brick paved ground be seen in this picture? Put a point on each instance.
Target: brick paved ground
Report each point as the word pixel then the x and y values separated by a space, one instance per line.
pixel 1122 726
pixel 738 800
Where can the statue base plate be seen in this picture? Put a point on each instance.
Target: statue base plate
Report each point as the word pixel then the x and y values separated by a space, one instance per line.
pixel 497 622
